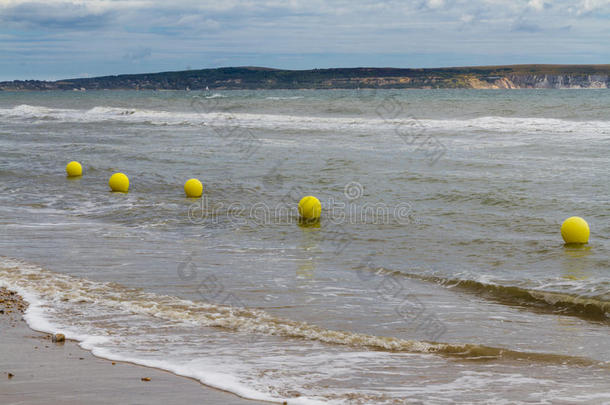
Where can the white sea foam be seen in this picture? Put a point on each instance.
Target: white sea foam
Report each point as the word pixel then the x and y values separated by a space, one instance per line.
pixel 509 125
pixel 284 98
pixel 278 360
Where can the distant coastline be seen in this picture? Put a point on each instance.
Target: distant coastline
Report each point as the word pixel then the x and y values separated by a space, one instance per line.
pixel 257 78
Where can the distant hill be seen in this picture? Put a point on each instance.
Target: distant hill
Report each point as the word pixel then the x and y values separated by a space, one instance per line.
pixel 237 78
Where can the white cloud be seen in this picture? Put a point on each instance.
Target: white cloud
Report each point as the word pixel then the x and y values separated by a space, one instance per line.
pixel 155 31
pixel 435 3
pixel 587 6
pixel 467 18
pixel 536 4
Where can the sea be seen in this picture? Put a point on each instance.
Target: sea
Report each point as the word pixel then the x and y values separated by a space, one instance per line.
pixel 437 273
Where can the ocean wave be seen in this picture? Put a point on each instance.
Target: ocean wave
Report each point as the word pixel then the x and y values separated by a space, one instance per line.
pixel 595 308
pixel 30 280
pixel 284 98
pixel 275 359
pixel 204 115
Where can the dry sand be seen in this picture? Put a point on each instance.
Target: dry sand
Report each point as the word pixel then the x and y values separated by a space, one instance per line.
pixel 34 370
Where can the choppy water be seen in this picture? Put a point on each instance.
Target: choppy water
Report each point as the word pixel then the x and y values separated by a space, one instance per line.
pixel 437 273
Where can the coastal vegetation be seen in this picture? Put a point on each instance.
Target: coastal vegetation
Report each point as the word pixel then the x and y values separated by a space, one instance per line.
pixel 239 78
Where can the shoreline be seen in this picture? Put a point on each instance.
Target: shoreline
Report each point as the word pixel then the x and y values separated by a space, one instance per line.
pixel 64 373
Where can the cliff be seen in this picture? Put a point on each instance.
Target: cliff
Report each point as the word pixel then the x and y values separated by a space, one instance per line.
pixel 482 77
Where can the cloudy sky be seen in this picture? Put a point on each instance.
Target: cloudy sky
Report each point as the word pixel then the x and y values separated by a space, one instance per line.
pixel 56 39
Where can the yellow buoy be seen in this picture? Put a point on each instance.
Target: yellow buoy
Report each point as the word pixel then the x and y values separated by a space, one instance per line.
pixel 193 188
pixel 74 169
pixel 575 230
pixel 310 208
pixel 119 182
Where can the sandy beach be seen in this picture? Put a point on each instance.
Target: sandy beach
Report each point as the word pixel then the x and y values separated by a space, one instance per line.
pixel 34 370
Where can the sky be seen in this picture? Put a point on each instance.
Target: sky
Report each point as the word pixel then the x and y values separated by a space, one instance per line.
pixel 58 39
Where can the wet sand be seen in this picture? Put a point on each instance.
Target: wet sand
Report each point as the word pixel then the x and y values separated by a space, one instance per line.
pixel 34 370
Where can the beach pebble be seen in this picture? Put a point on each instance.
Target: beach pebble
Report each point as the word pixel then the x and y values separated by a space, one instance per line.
pixel 58 338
